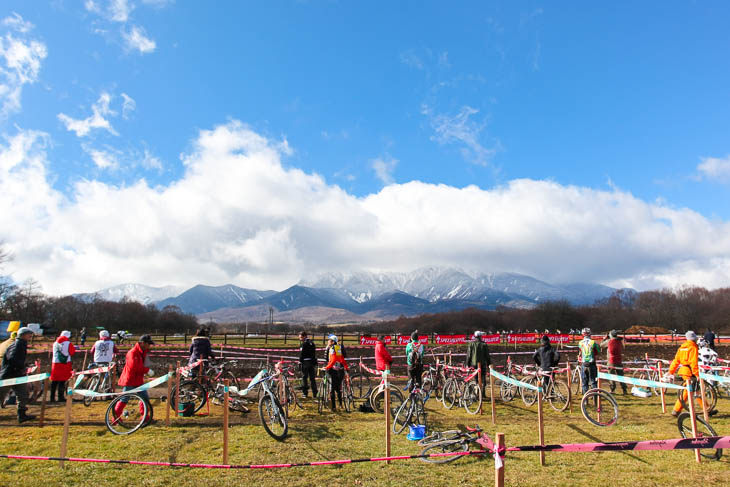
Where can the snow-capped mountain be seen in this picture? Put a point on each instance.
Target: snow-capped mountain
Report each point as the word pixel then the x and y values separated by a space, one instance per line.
pixel 134 292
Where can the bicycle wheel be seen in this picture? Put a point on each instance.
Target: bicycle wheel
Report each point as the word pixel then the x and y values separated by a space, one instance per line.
pixel 93 386
pixel 132 418
pixel 403 416
pixel 472 398
pixel 273 417
pixel 597 401
pixel 419 413
pixel 232 379
pixel 575 381
pixel 559 396
pixel 282 394
pixel 444 447
pixel 684 423
pixel 322 395
pixel 529 396
pixel 426 384
pixel 347 394
pixel 190 392
pixel 361 385
pixel 710 397
pixel 439 437
pixel 377 400
pixel 507 391
pixel 451 393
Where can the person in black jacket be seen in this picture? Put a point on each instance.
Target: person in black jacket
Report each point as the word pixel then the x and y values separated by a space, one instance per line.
pixel 13 365
pixel 308 361
pixel 200 348
pixel 546 357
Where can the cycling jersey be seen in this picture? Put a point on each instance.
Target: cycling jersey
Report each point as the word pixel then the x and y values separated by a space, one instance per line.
pixel 588 349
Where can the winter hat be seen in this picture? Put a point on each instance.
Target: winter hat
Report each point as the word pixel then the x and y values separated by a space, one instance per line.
pixel 545 339
pixel 66 333
pixel 103 334
pixel 24 330
pixel 613 333
pixel 691 336
pixel 414 336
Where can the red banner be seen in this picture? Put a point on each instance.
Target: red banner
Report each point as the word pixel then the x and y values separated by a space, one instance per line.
pixel 491 338
pixel 404 339
pixel 559 338
pixel 522 338
pixel 367 340
pixel 450 339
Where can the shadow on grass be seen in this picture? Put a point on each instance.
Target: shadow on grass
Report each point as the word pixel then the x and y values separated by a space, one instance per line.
pixel 598 440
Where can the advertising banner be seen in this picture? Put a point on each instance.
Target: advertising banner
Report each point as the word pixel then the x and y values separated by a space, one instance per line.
pixel 368 340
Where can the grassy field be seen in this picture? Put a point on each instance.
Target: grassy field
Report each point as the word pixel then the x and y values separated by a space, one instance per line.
pixel 354 435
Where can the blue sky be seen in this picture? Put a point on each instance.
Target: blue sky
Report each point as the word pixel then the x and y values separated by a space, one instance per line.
pixel 257 143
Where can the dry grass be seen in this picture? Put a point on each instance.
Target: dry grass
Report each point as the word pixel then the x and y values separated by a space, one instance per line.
pixel 355 435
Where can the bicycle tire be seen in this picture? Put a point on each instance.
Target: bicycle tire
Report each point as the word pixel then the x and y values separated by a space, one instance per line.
pixel 427 384
pixel 575 381
pixel 451 393
pixel 444 447
pixel 507 391
pixel 322 396
pixel 440 436
pixel 93 386
pixel 710 397
pixel 529 396
pixel 589 407
pixel 559 396
pixel 347 394
pixel 472 398
pixel 419 413
pixel 190 391
pixel 377 400
pixel 361 386
pixel 684 424
pixel 133 418
pixel 403 416
pixel 272 417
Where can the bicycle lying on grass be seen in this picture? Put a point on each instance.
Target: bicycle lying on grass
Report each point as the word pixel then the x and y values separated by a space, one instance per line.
pixel 449 442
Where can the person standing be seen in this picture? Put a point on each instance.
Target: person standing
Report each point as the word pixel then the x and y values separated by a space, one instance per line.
pixel 383 359
pixel 82 335
pixel 477 354
pixel 414 359
pixel 335 368
pixel 710 339
pixel 13 365
pixel 104 349
pixel 686 364
pixel 308 363
pixel 135 368
pixel 546 357
pixel 589 351
pixel 200 349
pixel 614 345
pixel 61 365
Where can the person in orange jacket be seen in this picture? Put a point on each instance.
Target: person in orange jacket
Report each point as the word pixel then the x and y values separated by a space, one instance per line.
pixel 685 363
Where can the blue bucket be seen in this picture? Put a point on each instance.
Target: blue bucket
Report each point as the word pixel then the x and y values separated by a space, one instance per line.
pixel 416 432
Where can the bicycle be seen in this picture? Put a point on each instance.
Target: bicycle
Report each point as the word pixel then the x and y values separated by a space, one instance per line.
pixel 196 390
pixel 364 390
pixel 100 382
pixel 324 392
pixel 599 407
pixel 284 390
pixel 137 414
pixel 452 442
pixel 433 379
pixel 411 411
pixel 684 424
pixel 507 390
pixel 555 391
pixel 465 391
pixel 710 397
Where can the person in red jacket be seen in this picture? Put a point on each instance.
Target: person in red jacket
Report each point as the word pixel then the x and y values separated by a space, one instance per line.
pixel 383 360
pixel 615 346
pixel 61 367
pixel 135 368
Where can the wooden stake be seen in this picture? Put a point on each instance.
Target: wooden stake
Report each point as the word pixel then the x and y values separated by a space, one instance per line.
pixel 540 424
pixel 386 391
pixel 598 404
pixel 570 387
pixel 169 398
pixel 691 401
pixel 221 350
pixel 227 383
pixel 499 467
pixel 661 389
pixel 177 390
pixel 86 352
pixel 705 412
pixel 66 424
pixel 481 387
pixel 491 395
pixel 46 384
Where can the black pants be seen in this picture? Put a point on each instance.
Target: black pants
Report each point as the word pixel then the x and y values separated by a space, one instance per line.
pixel 589 373
pixel 336 376
pixel 59 385
pixel 21 396
pixel 616 369
pixel 415 373
pixel 309 374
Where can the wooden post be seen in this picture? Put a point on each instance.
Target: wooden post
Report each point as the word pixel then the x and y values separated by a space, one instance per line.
pixel 66 424
pixel 86 353
pixel 661 389
pixel 200 373
pixel 177 389
pixel 221 351
pixel 386 391
pixel 266 337
pixel 285 338
pixel 541 425
pixel 598 405
pixel 491 395
pixel 705 412
pixel 570 387
pixel 169 397
pixel 46 384
pixel 225 422
pixel 693 417
pixel 164 338
pixel 481 387
pixel 244 337
pixel 499 466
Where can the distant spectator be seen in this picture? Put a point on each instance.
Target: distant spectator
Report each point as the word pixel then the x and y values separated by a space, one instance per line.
pixel 478 354
pixel 383 359
pixel 13 365
pixel 200 349
pixel 615 346
pixel 414 359
pixel 710 339
pixel 61 368
pixel 308 362
pixel 82 335
pixel 546 357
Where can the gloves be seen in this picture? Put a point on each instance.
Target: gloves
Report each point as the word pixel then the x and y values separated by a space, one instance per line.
pixel 150 372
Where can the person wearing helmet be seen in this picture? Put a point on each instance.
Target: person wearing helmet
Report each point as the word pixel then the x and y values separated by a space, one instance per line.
pixel 13 365
pixel 335 368
pixel 103 350
pixel 589 351
pixel 615 346
pixel 686 364
pixel 414 359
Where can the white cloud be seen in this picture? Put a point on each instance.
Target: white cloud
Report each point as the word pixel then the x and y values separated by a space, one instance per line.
pixel 136 39
pixel 96 120
pixel 210 226
pixel 104 159
pixel 150 162
pixel 128 106
pixel 384 168
pixel 20 63
pixel 715 169
pixel 460 129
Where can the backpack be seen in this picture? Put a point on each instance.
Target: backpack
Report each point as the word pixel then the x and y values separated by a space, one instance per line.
pixel 414 358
